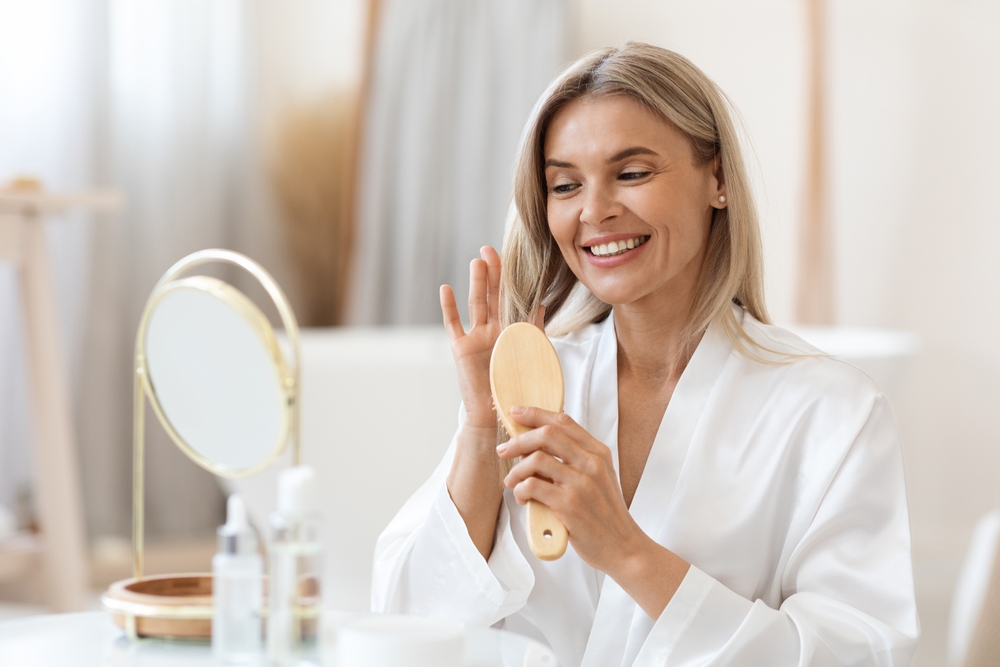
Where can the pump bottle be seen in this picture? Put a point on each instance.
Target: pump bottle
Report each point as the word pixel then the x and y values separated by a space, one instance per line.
pixel 295 561
pixel 237 589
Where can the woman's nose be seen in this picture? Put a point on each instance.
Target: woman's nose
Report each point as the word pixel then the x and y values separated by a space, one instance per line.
pixel 599 205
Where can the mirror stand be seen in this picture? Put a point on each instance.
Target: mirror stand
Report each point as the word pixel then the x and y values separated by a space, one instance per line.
pixel 180 606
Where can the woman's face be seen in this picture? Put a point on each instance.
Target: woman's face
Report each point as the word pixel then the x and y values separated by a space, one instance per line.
pixel 627 204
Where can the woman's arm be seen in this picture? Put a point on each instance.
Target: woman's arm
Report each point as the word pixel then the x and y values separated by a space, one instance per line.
pixel 474 485
pixel 449 552
pixel 847 582
pixel 474 479
pixel 426 564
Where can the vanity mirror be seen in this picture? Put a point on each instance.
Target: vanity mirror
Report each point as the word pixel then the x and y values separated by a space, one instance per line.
pixel 226 390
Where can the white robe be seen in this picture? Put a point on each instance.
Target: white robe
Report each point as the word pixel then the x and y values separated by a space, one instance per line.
pixel 781 484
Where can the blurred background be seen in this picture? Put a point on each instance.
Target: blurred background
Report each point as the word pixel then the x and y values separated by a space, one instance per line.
pixel 362 151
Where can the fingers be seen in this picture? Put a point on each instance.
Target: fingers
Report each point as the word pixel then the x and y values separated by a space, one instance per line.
pixel 551 441
pixel 539 464
pixel 537 418
pixel 478 306
pixel 543 491
pixel 492 260
pixel 552 432
pixel 449 308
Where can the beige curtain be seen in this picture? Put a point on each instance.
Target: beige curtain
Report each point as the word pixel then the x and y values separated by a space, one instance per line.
pixel 313 176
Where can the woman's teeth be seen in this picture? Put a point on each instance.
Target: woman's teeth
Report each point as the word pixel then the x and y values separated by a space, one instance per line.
pixel 617 248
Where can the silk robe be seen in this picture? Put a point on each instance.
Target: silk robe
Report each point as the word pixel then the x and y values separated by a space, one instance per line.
pixel 782 485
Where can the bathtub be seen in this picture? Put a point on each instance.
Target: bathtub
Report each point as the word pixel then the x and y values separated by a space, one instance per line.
pixel 379 409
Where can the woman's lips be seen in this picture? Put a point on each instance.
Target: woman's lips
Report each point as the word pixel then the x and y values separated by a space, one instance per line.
pixel 607 248
pixel 613 253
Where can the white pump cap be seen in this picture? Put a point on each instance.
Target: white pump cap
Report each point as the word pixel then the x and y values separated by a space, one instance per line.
pixel 297 491
pixel 236 536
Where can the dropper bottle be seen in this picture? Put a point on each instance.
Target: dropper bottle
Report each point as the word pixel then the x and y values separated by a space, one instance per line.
pixel 237 589
pixel 294 565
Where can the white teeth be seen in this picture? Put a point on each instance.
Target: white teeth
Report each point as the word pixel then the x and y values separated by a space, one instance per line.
pixel 617 248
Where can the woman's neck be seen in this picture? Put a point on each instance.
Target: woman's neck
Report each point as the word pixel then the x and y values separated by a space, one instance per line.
pixel 652 341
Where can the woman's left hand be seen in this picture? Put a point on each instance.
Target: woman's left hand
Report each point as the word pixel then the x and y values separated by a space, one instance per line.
pixel 573 473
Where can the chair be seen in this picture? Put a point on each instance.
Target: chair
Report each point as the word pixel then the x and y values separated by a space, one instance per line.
pixel 974 632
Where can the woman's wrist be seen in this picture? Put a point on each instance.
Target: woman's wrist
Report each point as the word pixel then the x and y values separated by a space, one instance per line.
pixel 478 437
pixel 474 484
pixel 649 572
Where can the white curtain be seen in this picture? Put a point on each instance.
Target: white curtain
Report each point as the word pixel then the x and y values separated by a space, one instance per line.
pixel 177 135
pixel 452 85
pixel 156 98
pixel 49 67
pixel 173 102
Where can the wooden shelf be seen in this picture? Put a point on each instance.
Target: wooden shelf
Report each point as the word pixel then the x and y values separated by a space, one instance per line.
pixel 37 203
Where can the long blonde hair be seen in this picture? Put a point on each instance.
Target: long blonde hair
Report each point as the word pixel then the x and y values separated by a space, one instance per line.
pixel 534 271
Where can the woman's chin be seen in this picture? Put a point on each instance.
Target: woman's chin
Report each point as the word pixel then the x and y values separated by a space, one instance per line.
pixel 617 295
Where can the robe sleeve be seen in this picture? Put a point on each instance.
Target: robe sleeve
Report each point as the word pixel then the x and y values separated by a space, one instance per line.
pixel 848 584
pixel 427 565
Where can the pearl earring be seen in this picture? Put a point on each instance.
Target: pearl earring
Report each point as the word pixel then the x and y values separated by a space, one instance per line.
pixel 722 198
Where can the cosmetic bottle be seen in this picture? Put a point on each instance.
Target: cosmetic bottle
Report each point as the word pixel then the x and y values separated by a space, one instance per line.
pixel 237 589
pixel 295 562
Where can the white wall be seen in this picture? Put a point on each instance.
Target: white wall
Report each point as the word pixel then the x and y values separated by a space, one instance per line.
pixel 755 52
pixel 47 118
pixel 914 110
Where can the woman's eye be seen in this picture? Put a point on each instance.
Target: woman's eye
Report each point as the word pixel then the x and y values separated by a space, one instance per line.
pixel 563 188
pixel 633 175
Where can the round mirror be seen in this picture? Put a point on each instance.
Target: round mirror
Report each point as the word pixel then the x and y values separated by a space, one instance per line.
pixel 216 377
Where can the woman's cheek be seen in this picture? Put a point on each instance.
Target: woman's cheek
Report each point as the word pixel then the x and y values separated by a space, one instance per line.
pixel 563 232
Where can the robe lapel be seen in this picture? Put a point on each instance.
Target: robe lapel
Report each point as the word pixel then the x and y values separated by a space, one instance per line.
pixel 620 626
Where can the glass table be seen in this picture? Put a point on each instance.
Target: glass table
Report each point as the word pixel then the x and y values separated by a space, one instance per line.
pixel 90 639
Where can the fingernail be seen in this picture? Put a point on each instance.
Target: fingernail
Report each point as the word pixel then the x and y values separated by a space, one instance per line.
pixel 517 410
pixel 501 448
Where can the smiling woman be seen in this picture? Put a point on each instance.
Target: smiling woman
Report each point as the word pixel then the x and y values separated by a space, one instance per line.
pixel 655 194
pixel 639 84
pixel 732 495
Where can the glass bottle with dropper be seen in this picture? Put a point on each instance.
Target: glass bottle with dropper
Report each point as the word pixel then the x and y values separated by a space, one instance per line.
pixel 294 566
pixel 237 589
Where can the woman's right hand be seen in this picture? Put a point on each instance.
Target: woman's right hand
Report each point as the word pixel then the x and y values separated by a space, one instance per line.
pixel 474 480
pixel 472 350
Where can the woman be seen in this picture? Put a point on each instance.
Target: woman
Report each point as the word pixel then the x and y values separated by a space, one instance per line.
pixel 733 496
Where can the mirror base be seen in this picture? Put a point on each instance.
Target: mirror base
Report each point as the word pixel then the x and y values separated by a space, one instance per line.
pixel 170 606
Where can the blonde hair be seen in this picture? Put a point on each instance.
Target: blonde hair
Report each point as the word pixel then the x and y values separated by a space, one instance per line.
pixel 534 271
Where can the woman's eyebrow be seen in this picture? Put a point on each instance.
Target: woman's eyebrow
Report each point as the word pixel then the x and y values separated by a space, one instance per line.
pixel 617 157
pixel 629 152
pixel 557 163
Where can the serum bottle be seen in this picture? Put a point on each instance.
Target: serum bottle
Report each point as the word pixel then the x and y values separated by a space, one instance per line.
pixel 295 562
pixel 237 589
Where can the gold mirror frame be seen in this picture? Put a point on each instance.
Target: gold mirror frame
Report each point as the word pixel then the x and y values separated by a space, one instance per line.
pixel 252 315
pixel 143 388
pixel 171 613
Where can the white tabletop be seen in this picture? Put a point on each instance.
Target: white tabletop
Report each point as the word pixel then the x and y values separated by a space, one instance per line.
pixel 90 639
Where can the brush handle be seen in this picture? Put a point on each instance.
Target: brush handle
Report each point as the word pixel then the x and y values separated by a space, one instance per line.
pixel 525 370
pixel 547 537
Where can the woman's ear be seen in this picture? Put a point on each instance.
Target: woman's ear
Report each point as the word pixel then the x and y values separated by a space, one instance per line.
pixel 718 182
